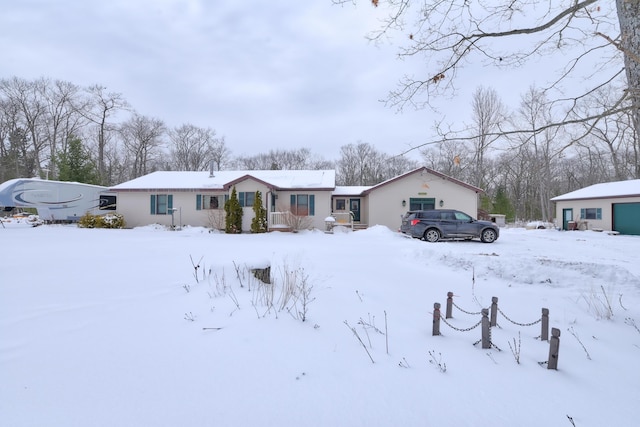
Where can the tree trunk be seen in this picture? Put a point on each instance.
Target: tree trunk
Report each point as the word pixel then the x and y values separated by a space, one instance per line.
pixel 628 13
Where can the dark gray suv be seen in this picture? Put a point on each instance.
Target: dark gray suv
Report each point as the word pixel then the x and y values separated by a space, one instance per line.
pixel 440 224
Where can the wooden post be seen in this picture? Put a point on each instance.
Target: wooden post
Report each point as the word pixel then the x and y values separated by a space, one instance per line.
pixel 449 305
pixel 494 311
pixel 544 334
pixel 554 347
pixel 486 329
pixel 436 318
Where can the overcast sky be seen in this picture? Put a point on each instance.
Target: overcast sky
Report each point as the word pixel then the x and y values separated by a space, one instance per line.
pixel 265 74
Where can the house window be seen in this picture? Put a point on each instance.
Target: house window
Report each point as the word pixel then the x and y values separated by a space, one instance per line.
pixel 204 201
pixel 161 204
pixel 303 204
pixel 246 199
pixel 591 213
pixel 421 204
pixel 341 204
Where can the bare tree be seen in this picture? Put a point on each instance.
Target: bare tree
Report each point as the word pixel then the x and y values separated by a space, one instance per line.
pixel 8 125
pixel 613 135
pixel 220 155
pixel 99 107
pixel 488 114
pixel 451 157
pixel 193 148
pixel 543 149
pixel 142 138
pixel 359 164
pixel 63 120
pixel 589 34
pixel 362 164
pixel 26 99
pixel 297 159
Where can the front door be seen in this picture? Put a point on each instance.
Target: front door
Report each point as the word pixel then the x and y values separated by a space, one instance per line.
pixel 354 207
pixel 567 215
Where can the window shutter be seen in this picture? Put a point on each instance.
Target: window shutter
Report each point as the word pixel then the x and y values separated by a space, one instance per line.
pixel 312 204
pixel 241 198
pixel 582 213
pixel 170 201
pixel 599 213
pixel 198 202
pixel 153 204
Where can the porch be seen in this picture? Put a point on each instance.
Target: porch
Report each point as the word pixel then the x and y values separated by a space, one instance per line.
pixel 286 221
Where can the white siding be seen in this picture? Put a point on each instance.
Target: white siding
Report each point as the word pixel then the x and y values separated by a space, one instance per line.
pixel 322 205
pixel 135 206
pixel 385 202
pixel 251 186
pixel 605 204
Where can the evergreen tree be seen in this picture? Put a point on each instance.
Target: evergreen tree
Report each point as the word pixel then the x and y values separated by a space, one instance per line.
pixel 503 205
pixel 485 203
pixel 259 221
pixel 75 164
pixel 233 211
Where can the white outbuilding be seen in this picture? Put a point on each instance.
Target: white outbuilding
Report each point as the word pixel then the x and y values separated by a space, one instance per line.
pixel 610 206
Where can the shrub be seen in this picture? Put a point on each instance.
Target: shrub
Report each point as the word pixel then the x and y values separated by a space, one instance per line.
pixel 87 221
pixel 233 211
pixel 259 221
pixel 111 220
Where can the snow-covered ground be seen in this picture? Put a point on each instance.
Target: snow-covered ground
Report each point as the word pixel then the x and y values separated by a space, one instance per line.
pixel 112 328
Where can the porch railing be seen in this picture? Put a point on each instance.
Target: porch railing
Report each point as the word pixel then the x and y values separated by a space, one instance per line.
pixel 279 220
pixel 343 218
pixel 283 220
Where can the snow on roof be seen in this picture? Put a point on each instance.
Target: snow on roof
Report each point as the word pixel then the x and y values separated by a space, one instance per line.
pixel 350 190
pixel 281 179
pixel 604 190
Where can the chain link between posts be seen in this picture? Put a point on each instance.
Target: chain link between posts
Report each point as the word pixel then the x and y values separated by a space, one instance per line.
pixel 461 329
pixel 519 324
pixel 465 311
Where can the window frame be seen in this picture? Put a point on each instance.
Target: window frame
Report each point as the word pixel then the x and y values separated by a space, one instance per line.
pixel 246 198
pixel 161 204
pixel 201 201
pixel 310 205
pixel 591 213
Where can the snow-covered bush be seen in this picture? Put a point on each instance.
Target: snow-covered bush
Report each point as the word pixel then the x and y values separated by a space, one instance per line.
pixel 111 220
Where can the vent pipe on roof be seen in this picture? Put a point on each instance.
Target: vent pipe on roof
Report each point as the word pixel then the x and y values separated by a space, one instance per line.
pixel 211 175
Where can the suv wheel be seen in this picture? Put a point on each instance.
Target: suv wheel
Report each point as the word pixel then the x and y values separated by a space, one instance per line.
pixel 488 236
pixel 432 235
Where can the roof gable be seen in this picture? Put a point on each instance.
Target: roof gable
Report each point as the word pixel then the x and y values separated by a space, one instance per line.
pixel 429 171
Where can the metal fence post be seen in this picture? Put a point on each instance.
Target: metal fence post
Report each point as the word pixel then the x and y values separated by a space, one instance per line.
pixel 554 347
pixel 449 315
pixel 494 311
pixel 436 318
pixel 544 334
pixel 486 329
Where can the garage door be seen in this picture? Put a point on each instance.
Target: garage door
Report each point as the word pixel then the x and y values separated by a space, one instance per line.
pixel 626 218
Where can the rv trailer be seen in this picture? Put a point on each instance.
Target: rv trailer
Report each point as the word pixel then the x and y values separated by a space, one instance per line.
pixel 55 200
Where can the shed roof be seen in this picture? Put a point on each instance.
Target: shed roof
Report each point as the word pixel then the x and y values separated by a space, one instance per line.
pixel 629 188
